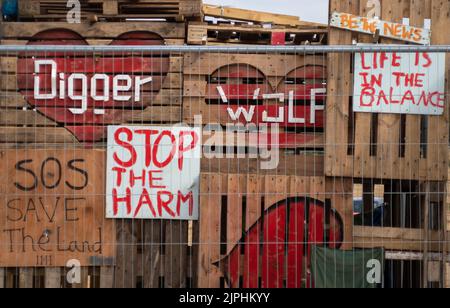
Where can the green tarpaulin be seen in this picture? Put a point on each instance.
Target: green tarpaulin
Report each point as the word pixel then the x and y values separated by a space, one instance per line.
pixel 347 269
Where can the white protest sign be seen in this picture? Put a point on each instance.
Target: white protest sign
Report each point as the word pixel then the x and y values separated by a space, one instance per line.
pixel 153 172
pixel 400 83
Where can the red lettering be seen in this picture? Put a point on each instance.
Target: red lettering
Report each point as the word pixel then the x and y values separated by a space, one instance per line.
pixel 145 199
pixel 126 145
pixel 157 145
pixel 183 199
pixel 148 135
pixel 117 200
pixel 182 149
pixel 120 172
pixel 165 204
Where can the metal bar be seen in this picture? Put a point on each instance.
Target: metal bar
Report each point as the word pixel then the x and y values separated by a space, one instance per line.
pixel 230 49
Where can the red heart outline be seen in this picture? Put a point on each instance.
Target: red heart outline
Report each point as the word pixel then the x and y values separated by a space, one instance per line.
pixel 90 127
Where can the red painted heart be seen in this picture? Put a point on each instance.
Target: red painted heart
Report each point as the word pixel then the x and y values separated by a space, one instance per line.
pixel 86 92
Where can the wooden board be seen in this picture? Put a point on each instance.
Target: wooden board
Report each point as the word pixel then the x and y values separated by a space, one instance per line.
pixel 53 209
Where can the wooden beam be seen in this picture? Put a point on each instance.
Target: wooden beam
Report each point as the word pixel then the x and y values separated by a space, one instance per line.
pixel 248 15
pixel 52 278
pixel 395 239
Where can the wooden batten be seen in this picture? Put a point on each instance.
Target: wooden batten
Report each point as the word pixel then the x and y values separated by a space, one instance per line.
pixel 365 146
pixel 111 10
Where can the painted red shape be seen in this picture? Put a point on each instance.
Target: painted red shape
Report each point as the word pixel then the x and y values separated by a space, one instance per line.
pixel 93 65
pixel 91 127
pixel 288 234
pixel 296 239
pixel 146 99
pixel 251 266
pixel 278 38
pixel 249 95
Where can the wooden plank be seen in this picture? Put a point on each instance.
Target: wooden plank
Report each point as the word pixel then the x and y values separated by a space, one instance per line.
pixel 251 273
pixel 419 11
pixel 176 254
pixel 276 189
pixel 426 234
pixel 26 277
pixel 98 30
pixel 126 255
pixel 364 164
pixel 236 189
pixel 35 134
pixel 305 165
pixel 439 126
pixel 337 162
pixel 395 239
pixel 110 7
pixel 273 258
pixel 249 15
pixel 269 65
pixel 212 188
pixel 18 117
pixel 12 99
pixel 52 278
pixel 2 278
pixel 340 192
pixel 388 156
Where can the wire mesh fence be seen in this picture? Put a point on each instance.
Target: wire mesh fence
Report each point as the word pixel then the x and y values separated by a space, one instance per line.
pixel 282 152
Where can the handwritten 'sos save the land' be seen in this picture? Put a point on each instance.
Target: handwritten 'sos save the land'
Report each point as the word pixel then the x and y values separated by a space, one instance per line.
pixel 384 28
pixel 153 172
pixel 401 83
pixel 51 210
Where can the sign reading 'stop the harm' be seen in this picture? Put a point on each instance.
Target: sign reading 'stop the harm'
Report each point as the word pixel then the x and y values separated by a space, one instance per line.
pixel 384 28
pixel 153 172
pixel 400 83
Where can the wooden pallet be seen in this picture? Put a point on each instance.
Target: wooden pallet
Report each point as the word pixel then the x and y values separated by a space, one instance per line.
pixel 112 10
pixel 384 146
pixel 27 120
pixel 232 34
pixel 232 203
pixel 239 76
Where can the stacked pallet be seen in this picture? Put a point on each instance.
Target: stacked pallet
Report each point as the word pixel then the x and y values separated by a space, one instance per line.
pixel 111 10
pixel 26 120
pixel 29 124
pixel 243 33
pixel 408 153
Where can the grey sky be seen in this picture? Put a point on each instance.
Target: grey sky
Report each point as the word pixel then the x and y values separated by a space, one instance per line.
pixel 308 10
